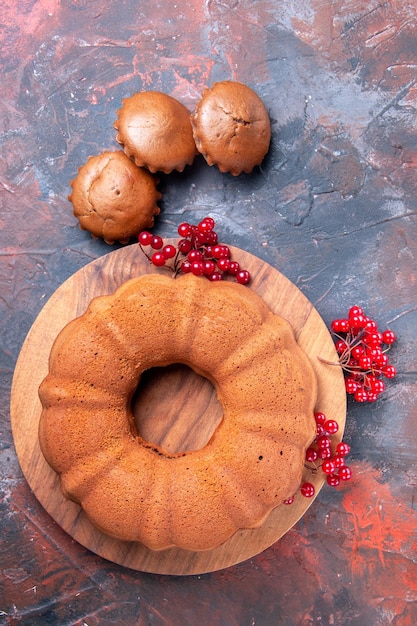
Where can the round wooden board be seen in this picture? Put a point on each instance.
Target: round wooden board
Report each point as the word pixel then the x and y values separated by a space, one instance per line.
pixel 70 300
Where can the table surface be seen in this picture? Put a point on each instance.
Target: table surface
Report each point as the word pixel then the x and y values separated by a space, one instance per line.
pixel 333 207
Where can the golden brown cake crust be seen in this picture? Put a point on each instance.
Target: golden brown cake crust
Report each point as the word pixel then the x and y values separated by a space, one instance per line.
pixel 155 131
pixel 136 491
pixel 231 127
pixel 113 198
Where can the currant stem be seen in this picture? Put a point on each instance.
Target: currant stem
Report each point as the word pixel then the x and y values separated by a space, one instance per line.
pixel 145 253
pixel 166 267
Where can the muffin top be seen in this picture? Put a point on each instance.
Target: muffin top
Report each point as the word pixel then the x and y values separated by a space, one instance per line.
pixel 113 198
pixel 231 127
pixel 155 131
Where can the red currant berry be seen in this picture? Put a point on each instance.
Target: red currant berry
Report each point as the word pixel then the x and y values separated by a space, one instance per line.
pixel 377 385
pixel 156 242
pixel 226 253
pixel 356 322
pixel 360 395
pixel 345 473
pixel 372 396
pixel 370 325
pixel 220 251
pixel 372 339
pixel 199 240
pixel 331 426
pixel 145 238
pixel 343 448
pixel 289 500
pixel 184 246
pixel 340 326
pixel 323 441
pixel 197 268
pixel 389 371
pixel 381 359
pixel 206 225
pixel 352 363
pixel 234 268
pixel 184 229
pixel 169 251
pixel 365 362
pixel 215 276
pixel 186 267
pixel 208 267
pixel 320 418
pixel 328 467
pixel 307 489
pixel 195 255
pixel 389 337
pixel 223 264
pixel 311 455
pixel 376 353
pixel 324 453
pixel 243 277
pixel 357 352
pixel 350 385
pixel 338 461
pixel 373 354
pixel 217 252
pixel 158 259
pixel 211 238
pixel 333 480
pixel 355 310
pixel 340 346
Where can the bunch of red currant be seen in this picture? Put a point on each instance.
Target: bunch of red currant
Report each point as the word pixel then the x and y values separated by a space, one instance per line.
pixel 362 351
pixel 197 252
pixel 324 455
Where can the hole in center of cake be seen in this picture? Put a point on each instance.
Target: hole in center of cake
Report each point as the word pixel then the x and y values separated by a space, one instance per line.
pixel 176 409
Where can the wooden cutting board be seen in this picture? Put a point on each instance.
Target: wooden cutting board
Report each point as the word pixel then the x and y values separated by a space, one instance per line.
pixel 189 408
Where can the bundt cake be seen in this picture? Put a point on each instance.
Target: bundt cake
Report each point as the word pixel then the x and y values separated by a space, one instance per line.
pixel 231 127
pixel 134 490
pixel 155 131
pixel 113 198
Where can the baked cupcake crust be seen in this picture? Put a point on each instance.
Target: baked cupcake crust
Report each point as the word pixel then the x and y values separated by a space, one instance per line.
pixel 155 131
pixel 231 127
pixel 113 198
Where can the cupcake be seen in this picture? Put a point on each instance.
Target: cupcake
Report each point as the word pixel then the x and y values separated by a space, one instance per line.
pixel 231 127
pixel 113 198
pixel 155 131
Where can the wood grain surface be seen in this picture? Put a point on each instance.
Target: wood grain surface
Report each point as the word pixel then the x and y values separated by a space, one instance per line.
pixel 189 405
